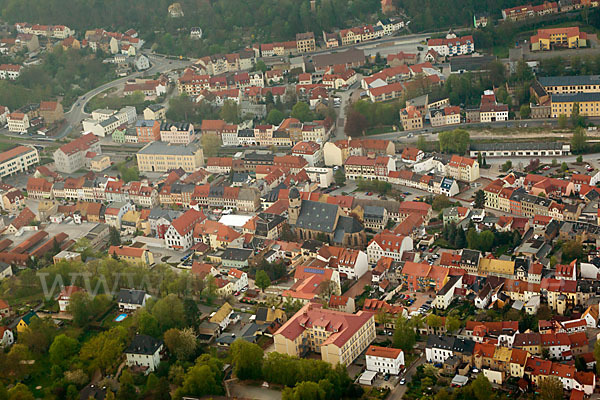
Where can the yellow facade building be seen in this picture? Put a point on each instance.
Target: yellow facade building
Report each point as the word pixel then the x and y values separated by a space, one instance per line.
pixel 563 104
pixel 163 157
pixel 338 336
pixel 569 37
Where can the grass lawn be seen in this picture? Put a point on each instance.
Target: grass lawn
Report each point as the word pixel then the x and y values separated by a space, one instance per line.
pixel 380 129
pixel 109 321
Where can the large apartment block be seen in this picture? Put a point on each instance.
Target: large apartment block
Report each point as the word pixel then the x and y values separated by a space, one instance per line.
pixel 19 159
pixel 162 157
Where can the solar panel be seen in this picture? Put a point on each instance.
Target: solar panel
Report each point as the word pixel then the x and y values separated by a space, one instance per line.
pixel 314 271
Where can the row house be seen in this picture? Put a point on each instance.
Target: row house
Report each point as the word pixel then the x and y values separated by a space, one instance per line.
pixel 215 234
pixel 388 244
pixel 520 13
pixel 179 235
pixel 434 184
pixel 456 46
pixel 362 167
pixel 463 169
pixel 177 133
pixel 446 116
pixel 10 71
pixel 243 199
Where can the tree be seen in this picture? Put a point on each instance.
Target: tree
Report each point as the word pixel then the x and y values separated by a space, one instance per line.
pixel 114 237
pixel 506 166
pixel 579 158
pixel 356 124
pixel 262 280
pixel 482 388
pixel 579 140
pixel 440 202
pixel 230 112
pixel 247 359
pixel 147 324
pixel 105 349
pixel 479 158
pixel 551 388
pixel 80 308
pixel 404 335
pixel 62 349
pixel 525 111
pixel 562 121
pixel 572 250
pixel 304 391
pixel 301 111
pixel 564 167
pixel 340 177
pixel 327 288
pixel 479 199
pixel 434 321
pixel 421 143
pixel 456 141
pixel 169 312
pixel 20 392
pixel 181 343
pixel 275 116
pixel 452 323
pixel 210 145
pixel 260 66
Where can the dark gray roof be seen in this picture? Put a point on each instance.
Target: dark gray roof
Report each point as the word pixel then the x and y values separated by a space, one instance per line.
pixel 575 97
pixel 131 296
pixel 464 346
pixel 451 282
pixel 236 254
pixel 577 80
pixel 317 216
pixel 246 133
pixel 470 257
pixel 180 126
pixel 143 344
pixel 374 212
pixel 471 63
pixel 516 146
pixel 440 342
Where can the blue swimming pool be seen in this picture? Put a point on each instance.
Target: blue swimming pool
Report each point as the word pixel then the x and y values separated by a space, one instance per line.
pixel 120 317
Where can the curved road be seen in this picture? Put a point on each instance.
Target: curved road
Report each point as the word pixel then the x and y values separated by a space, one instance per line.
pixel 159 64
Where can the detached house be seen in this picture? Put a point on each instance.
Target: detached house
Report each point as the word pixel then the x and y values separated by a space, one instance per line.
pixel 144 353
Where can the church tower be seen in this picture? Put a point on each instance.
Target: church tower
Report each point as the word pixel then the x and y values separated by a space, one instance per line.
pixel 295 203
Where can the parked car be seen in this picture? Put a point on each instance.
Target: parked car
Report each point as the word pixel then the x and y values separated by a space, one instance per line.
pixel 403 381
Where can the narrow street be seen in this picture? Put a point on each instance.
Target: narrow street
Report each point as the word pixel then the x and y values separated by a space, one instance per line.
pixel 399 390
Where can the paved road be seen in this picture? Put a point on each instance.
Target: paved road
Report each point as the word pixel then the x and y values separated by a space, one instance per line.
pixel 159 65
pixel 253 392
pixel 399 391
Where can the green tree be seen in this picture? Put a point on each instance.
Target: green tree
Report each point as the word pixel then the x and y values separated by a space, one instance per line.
pixel 146 323
pixel 20 392
pixel 304 391
pixel 564 167
pixel 479 199
pixel 275 117
pixel 301 111
pixel 230 112
pixel 262 280
pixel 579 158
pixel 62 349
pixel 440 202
pixel 260 66
pixel 340 177
pixel 247 359
pixel 571 250
pixel 551 388
pixel 506 166
pixel 434 321
pixel 181 343
pixel 80 307
pixel 452 323
pixel 421 143
pixel 105 349
pixel 579 140
pixel 404 335
pixel 562 121
pixel 525 111
pixel 114 237
pixel 482 388
pixel 169 312
pixel 211 144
